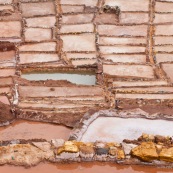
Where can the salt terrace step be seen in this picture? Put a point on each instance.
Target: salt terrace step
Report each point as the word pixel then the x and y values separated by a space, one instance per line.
pixel 131 6
pixel 106 18
pixel 41 91
pixel 77 28
pixel 6 1
pixel 7 7
pixel 164 58
pixel 57 116
pixel 145 96
pixel 54 106
pixel 45 22
pixel 138 83
pixel 7 72
pixel 40 47
pixel 26 58
pixel 5 90
pixel 142 71
pixel 164 30
pixel 168 70
pixel 7 29
pixel 125 58
pixel 4 99
pixel 81 56
pixel 162 90
pixel 121 49
pixel 135 18
pixel 112 30
pixel 84 62
pixel 163 18
pixel 67 100
pixel 8 56
pixel 37 9
pixel 164 7
pixel 82 98
pixel 73 42
pixel 72 8
pixel 163 40
pixel 115 40
pixel 77 18
pixel 37 34
pixel 164 48
pixel 6 81
pixel 80 2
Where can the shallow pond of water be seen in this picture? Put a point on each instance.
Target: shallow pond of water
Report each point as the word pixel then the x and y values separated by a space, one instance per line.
pixel 116 129
pixel 76 78
pixel 29 130
pixel 94 167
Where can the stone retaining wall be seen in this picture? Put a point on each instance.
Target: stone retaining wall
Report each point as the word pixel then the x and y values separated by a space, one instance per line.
pixel 146 150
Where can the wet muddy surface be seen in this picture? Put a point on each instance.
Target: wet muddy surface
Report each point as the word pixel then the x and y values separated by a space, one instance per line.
pixel 26 130
pixel 84 168
pixel 120 128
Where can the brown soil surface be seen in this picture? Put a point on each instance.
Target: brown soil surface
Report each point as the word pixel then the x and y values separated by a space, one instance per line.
pixel 84 168
pixel 5 113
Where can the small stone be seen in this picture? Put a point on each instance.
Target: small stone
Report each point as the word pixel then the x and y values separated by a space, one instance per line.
pixel 68 156
pixel 15 142
pixel 146 151
pixel 128 147
pixel 161 139
pixel 113 151
pixel 87 151
pixel 146 138
pixel 166 154
pixel 113 144
pixel 159 148
pixel 57 142
pixel 120 154
pixel 102 151
pixel 99 144
pixel 68 147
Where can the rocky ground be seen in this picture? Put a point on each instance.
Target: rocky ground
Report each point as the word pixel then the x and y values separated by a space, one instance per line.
pixel 6 114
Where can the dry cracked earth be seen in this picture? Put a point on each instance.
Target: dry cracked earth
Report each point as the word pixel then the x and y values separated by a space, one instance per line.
pixel 127 46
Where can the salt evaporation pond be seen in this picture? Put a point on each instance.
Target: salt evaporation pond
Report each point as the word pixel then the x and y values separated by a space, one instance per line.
pixel 31 130
pixel 76 78
pixel 116 129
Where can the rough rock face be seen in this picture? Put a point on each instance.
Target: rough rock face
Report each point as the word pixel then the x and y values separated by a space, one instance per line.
pixel 146 151
pixel 87 151
pixel 32 152
pixel 23 154
pixel 166 154
pixel 68 147
pixel 5 113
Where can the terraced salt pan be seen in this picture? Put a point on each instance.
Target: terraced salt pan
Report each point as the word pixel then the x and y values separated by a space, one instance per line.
pixel 130 6
pixel 85 79
pixel 27 130
pixel 116 129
